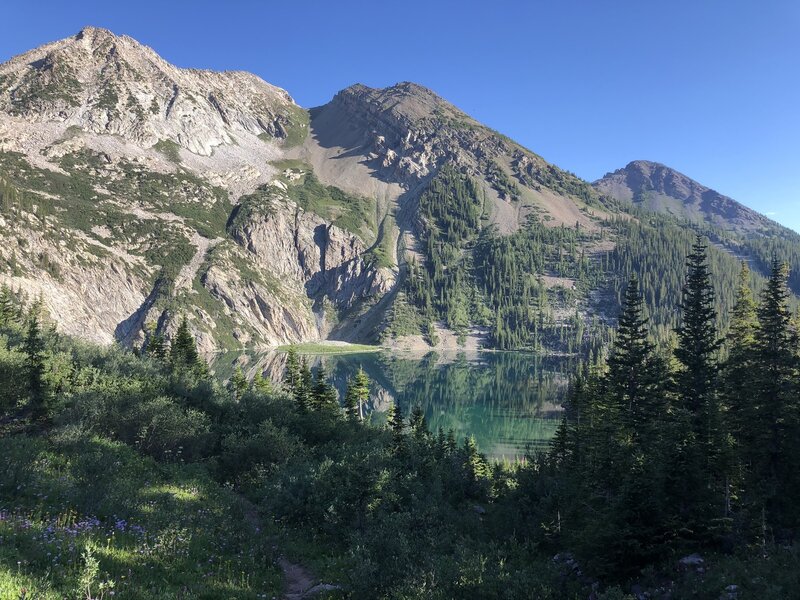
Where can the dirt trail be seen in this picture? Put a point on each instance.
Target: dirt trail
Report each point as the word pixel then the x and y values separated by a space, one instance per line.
pixel 300 583
pixel 298 580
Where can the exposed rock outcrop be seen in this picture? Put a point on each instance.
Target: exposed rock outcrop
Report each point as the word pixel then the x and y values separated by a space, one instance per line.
pixel 108 84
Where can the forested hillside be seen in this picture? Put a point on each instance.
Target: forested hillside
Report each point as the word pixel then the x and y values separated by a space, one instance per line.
pixel 671 474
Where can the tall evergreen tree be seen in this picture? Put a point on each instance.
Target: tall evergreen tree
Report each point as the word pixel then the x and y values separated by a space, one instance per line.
pixel 238 383
pixel 737 383
pixel 357 395
pixel 631 365
pixel 304 389
pixel 324 394
pixel 34 348
pixel 417 422
pixel 292 376
pixel 183 351
pixel 8 312
pixel 351 404
pixel 698 344
pixel 155 345
pixel 701 442
pixel 772 452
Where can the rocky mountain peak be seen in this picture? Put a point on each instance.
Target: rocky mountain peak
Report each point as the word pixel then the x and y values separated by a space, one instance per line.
pixel 661 188
pixel 108 84
pixel 405 101
pixel 408 130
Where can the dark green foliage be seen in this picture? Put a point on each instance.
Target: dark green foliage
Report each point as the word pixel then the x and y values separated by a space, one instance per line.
pixel 183 355
pixel 292 376
pixel 238 383
pixel 698 342
pixel 34 349
pixel 397 512
pixel 357 396
pixel 451 210
pixel 155 345
pixel 8 310
pixel 771 440
pixel 323 393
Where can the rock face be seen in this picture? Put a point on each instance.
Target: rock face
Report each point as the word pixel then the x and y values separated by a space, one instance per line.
pixel 326 259
pixel 408 131
pixel 662 189
pixel 118 171
pixel 107 84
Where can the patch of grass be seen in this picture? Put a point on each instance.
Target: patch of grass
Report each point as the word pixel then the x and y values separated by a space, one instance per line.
pixel 323 348
pixel 82 513
pixel 297 129
pixel 355 214
pixel 169 149
pixel 291 163
pixel 380 255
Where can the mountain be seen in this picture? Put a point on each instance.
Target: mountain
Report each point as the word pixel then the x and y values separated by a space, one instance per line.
pixel 658 188
pixel 133 193
pixel 743 232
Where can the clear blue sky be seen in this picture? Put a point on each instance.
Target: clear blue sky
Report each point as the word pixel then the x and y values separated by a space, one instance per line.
pixel 710 87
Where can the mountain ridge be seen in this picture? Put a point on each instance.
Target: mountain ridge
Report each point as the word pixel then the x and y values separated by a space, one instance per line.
pixel 662 188
pixel 266 223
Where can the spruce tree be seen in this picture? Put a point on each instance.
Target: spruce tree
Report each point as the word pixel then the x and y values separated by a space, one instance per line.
pixel 631 376
pixel 697 348
pixel 262 384
pixel 8 312
pixel 738 369
pixel 395 419
pixel 183 351
pixel 238 383
pixel 33 347
pixel 351 404
pixel 324 394
pixel 417 422
pixel 292 376
pixel 774 425
pixel 155 345
pixel 303 390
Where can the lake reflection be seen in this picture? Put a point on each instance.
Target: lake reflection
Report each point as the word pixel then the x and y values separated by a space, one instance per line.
pixel 507 400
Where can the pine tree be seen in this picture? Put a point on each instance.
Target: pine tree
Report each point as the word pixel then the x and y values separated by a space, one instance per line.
pixel 417 422
pixel 631 376
pixel 351 405
pixel 773 427
pixel 239 384
pixel 262 384
pixel 362 391
pixel 183 351
pixel 303 390
pixel 395 420
pixel 33 347
pixel 324 394
pixel 291 378
pixel 155 344
pixel 701 442
pixel 697 348
pixel 8 312
pixel 738 369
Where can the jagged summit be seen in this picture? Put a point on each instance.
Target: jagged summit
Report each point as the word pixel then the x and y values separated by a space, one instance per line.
pixel 108 84
pixel 663 189
pixel 406 100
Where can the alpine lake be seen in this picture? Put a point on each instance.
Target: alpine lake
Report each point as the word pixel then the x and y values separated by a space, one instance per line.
pixel 510 402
